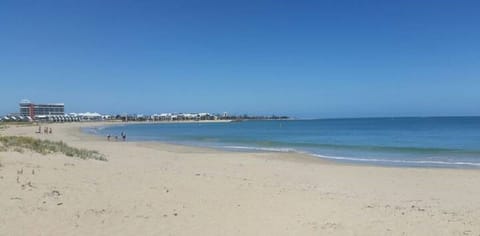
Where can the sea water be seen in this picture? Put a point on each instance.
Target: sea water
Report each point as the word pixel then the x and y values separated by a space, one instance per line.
pixel 414 142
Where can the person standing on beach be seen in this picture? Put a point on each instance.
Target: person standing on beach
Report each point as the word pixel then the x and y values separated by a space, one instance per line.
pixel 122 134
pixel 108 137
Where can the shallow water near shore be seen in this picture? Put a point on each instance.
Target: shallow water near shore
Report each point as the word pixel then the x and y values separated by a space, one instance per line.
pixel 414 142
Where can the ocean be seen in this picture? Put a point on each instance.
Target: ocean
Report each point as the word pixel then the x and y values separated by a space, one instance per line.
pixel 452 142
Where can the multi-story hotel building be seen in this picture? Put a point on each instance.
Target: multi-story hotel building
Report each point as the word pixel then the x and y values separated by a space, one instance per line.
pixel 28 108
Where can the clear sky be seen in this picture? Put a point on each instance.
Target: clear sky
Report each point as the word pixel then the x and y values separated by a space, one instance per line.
pixel 299 58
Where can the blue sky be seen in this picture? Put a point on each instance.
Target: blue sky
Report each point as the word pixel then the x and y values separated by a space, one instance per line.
pixel 299 58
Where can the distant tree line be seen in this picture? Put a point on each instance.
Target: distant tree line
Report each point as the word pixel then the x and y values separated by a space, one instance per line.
pixel 210 117
pixel 249 117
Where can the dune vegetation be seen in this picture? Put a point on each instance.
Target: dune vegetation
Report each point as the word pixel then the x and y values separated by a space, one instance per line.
pixel 20 144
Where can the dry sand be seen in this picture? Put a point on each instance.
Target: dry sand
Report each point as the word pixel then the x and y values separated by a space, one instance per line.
pixel 159 189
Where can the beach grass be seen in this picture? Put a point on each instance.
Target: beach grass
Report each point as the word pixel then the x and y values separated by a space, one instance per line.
pixel 19 144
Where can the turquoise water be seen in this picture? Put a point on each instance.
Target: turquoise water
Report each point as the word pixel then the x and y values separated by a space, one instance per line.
pixel 432 142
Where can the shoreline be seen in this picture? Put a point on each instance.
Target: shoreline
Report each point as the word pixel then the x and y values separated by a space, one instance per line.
pixel 339 160
pixel 153 143
pixel 154 188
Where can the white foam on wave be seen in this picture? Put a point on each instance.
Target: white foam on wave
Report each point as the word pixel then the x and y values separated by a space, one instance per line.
pixel 417 162
pixel 94 130
pixel 370 160
pixel 90 130
pixel 262 149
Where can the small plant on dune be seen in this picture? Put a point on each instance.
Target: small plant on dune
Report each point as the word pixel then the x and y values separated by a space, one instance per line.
pixel 44 147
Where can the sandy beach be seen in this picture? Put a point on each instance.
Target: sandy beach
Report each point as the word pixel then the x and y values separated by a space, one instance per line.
pixel 159 189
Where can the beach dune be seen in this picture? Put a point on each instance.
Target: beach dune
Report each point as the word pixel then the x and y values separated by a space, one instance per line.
pixel 159 189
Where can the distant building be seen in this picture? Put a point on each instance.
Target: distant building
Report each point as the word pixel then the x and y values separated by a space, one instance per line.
pixel 27 108
pixel 89 116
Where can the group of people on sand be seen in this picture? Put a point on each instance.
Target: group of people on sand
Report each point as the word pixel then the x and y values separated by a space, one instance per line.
pixel 123 135
pixel 46 130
